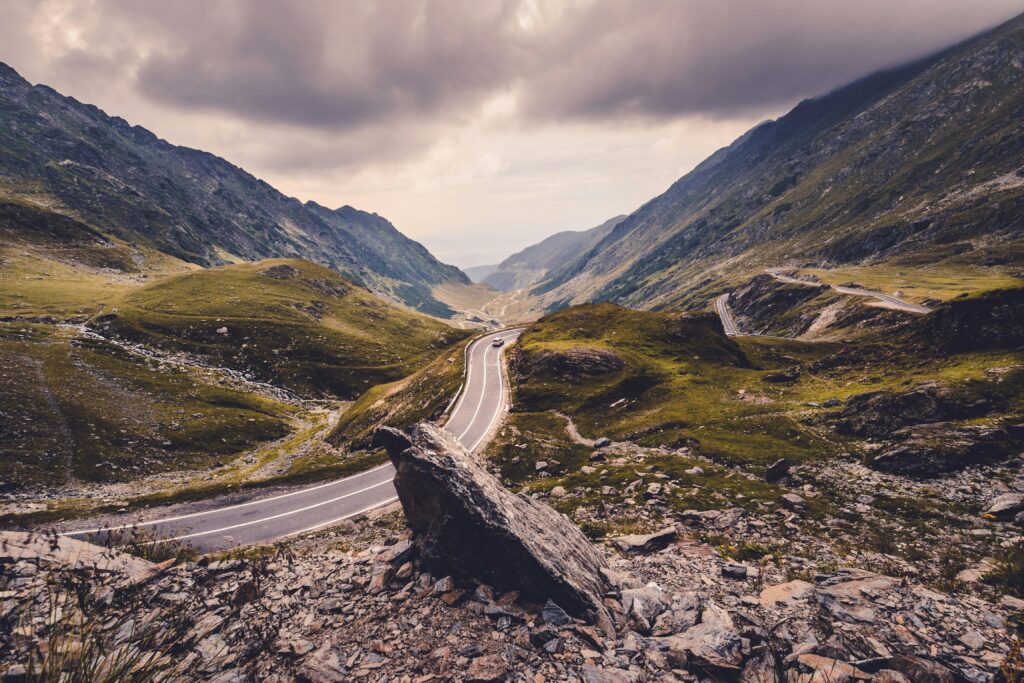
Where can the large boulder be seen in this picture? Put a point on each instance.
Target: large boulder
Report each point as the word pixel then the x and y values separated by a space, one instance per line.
pixel 468 525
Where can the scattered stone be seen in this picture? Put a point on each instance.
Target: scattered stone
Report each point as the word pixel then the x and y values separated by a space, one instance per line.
pixel 714 642
pixel 777 470
pixel 788 593
pixel 734 571
pixel 831 670
pixel 644 543
pixel 486 669
pixel 792 501
pixel 1006 505
pixel 555 615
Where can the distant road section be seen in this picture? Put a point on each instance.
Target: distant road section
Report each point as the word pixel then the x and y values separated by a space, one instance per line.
pixel 889 300
pixel 477 414
pixel 722 308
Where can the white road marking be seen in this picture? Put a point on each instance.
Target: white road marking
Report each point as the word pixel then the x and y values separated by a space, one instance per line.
pixel 267 519
pixel 480 403
pixel 329 522
pixel 223 509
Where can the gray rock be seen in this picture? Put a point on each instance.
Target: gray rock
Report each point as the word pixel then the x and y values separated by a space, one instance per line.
pixel 643 606
pixel 734 571
pixel 594 674
pixel 642 543
pixel 777 470
pixel 714 642
pixel 1006 505
pixel 398 553
pixel 602 442
pixel 486 669
pixel 554 615
pixel 467 524
pixel 792 501
pixel 322 666
pixel 684 613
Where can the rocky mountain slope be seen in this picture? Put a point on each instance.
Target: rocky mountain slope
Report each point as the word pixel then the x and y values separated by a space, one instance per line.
pixel 917 166
pixel 126 183
pixel 531 265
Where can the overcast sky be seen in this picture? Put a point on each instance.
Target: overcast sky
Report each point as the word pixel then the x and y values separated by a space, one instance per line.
pixel 476 126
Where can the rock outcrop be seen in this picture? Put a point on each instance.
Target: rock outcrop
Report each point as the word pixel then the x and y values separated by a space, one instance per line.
pixel 573 364
pixel 468 525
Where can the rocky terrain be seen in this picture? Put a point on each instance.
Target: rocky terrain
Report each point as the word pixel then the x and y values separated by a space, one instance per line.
pixel 371 600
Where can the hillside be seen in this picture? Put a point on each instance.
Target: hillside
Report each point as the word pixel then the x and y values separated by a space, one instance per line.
pixel 286 322
pixel 918 168
pixel 122 364
pixel 531 265
pixel 881 455
pixel 126 183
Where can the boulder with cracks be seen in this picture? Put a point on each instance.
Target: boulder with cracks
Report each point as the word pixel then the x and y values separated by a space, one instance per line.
pixel 468 525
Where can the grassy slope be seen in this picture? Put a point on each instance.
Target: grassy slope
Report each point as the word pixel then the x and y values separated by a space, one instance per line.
pixel 77 408
pixel 682 380
pixel 85 409
pixel 288 322
pixel 685 383
pixel 421 396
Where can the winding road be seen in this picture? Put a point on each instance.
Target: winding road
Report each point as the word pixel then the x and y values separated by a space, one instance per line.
pixel 887 299
pixel 722 309
pixel 476 414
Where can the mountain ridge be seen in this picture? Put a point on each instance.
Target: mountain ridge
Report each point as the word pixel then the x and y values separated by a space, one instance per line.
pixel 532 264
pixel 127 182
pixel 867 172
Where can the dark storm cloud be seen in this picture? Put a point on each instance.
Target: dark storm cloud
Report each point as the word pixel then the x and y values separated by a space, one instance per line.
pixel 346 65
pixel 652 58
pixel 333 64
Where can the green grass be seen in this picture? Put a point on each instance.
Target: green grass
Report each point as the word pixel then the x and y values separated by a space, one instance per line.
pixel 424 395
pixel 288 322
pixel 941 283
pixel 683 382
pixel 85 409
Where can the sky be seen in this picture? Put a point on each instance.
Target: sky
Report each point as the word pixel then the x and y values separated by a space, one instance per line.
pixel 478 127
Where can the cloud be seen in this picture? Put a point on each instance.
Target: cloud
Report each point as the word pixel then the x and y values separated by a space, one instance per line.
pixel 479 126
pixel 649 58
pixel 344 66
pixel 337 65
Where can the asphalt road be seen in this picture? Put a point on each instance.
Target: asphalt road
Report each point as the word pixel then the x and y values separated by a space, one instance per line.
pixel 722 309
pixel 262 519
pixel 888 299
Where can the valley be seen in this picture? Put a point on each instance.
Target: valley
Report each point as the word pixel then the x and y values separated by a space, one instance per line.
pixel 768 426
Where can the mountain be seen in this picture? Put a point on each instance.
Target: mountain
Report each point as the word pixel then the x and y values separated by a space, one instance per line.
pixel 127 183
pixel 916 166
pixel 532 264
pixel 479 273
pixel 410 271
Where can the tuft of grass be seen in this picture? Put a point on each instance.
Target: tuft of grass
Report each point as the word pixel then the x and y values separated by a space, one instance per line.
pixel 85 639
pixel 1008 576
